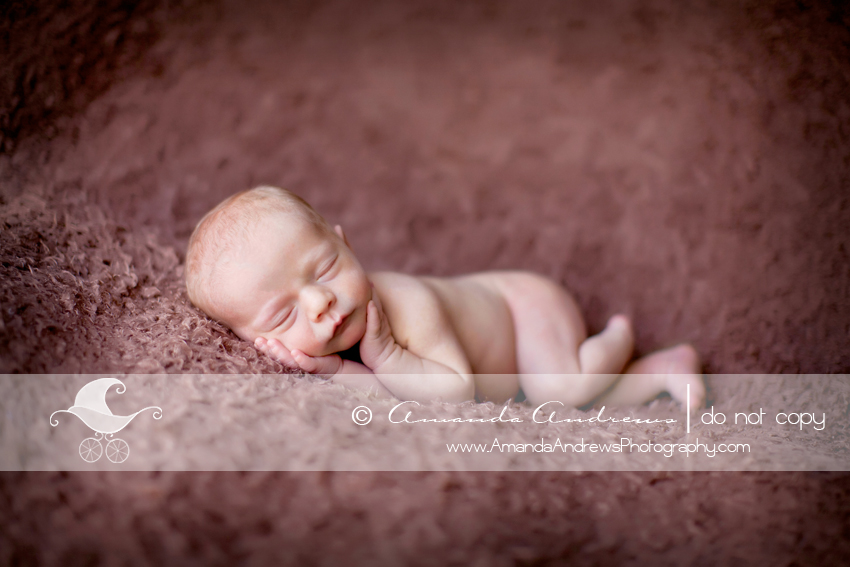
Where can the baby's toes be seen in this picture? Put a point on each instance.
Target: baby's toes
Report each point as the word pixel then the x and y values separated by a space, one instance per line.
pixel 687 389
pixel 621 326
pixel 621 323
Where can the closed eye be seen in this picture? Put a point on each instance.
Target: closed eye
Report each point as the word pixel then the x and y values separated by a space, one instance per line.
pixel 326 269
pixel 285 317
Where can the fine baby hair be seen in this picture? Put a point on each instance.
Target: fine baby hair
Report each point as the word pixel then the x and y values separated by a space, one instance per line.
pixel 221 229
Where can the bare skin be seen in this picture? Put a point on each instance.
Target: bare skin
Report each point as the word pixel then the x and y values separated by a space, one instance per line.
pixel 300 295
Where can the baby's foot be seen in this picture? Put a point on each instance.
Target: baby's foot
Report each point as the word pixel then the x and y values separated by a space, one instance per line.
pixel 678 367
pixel 622 325
pixel 683 370
pixel 677 387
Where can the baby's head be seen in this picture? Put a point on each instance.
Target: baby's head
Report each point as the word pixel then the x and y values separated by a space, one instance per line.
pixel 265 264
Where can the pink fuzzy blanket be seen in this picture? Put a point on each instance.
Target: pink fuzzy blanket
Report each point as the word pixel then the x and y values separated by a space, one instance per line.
pixel 686 166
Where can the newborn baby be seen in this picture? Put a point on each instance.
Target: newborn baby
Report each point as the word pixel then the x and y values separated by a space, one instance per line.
pixel 268 266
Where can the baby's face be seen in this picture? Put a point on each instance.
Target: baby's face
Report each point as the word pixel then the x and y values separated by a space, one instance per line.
pixel 293 282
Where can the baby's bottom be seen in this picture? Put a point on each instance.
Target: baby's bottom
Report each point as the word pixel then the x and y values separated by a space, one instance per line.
pixel 551 341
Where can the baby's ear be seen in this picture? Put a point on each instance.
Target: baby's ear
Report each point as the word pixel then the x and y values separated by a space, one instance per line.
pixel 338 230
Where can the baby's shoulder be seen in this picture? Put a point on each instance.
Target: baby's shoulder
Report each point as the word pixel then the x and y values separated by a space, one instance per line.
pixel 394 280
pixel 405 298
pixel 394 287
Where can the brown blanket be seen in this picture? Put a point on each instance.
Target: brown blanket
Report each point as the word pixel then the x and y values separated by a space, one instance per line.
pixel 687 166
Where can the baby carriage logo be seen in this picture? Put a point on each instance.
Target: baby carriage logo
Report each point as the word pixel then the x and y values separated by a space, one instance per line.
pixel 90 406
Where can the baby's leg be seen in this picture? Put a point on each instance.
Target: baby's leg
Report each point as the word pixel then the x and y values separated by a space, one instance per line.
pixel 670 370
pixel 555 359
pixel 609 351
pixel 601 358
pixel 556 362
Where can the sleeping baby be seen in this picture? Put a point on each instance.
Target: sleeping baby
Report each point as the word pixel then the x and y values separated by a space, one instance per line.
pixel 268 266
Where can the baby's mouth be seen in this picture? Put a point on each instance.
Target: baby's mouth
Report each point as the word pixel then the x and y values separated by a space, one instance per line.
pixel 341 325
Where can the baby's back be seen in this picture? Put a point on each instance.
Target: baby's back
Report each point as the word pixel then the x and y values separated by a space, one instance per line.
pixel 481 319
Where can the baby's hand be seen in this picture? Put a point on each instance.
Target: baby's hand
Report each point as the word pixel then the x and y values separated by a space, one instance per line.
pixel 378 343
pixel 325 366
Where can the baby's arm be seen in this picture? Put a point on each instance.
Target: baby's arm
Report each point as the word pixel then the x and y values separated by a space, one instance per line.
pixel 358 377
pixel 437 369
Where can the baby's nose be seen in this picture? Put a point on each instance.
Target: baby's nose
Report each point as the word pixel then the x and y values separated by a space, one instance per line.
pixel 320 300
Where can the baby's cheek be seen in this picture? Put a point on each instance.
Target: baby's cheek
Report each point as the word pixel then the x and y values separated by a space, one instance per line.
pixel 357 330
pixel 294 339
pixel 358 284
pixel 307 343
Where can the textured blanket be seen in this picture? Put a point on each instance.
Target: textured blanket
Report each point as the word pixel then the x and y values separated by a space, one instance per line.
pixel 687 167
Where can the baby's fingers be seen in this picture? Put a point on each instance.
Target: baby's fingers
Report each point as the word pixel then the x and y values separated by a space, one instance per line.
pixel 373 320
pixel 324 365
pixel 275 349
pixel 377 343
pixel 377 300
